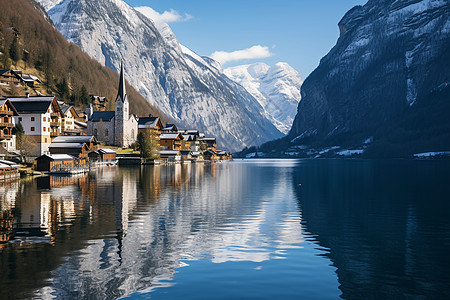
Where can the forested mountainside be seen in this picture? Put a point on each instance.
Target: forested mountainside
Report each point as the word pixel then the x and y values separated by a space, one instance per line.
pixel 39 49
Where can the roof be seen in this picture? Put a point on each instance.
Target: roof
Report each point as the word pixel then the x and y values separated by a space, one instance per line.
pixel 209 151
pixel 148 122
pixel 29 107
pixel 104 116
pixel 79 123
pixel 57 156
pixel 122 92
pixel 74 139
pixel 209 139
pixel 170 127
pixel 170 136
pixel 33 98
pixel 106 150
pixel 66 108
pixel 9 163
pixel 30 78
pixel 188 137
pixel 66 145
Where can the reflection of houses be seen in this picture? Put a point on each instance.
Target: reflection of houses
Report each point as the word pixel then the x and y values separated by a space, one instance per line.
pixel 41 120
pixel 119 127
pixel 7 113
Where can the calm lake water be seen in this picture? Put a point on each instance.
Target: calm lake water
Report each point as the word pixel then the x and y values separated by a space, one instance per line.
pixel 258 229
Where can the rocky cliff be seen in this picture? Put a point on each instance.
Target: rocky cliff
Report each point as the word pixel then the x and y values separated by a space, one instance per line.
pixel 385 87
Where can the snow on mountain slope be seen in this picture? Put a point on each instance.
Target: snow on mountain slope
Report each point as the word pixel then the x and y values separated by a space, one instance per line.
pixel 180 83
pixel 48 4
pixel 276 88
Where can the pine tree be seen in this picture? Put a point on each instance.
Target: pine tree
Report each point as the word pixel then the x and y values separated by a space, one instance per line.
pixel 14 50
pixel 84 96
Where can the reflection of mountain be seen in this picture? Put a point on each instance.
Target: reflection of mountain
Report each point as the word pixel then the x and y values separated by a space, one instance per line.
pixel 383 223
pixel 139 232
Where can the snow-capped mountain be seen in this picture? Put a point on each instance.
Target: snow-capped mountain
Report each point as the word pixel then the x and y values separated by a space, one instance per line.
pixel 186 87
pixel 386 83
pixel 276 88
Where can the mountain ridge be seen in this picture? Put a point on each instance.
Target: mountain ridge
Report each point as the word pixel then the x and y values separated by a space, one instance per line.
pixel 188 89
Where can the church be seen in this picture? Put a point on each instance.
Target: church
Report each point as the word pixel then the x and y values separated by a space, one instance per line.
pixel 118 127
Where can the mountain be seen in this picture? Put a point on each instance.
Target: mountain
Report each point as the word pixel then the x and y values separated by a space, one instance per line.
pixel 186 87
pixel 276 88
pixel 55 61
pixel 384 89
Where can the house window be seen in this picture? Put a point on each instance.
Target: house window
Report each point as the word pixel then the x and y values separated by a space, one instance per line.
pixel 95 132
pixel 44 119
pixel 6 120
pixel 32 119
pixel 20 119
pixel 106 132
pixel 45 140
pixel 44 128
pixel 119 109
pixel 32 128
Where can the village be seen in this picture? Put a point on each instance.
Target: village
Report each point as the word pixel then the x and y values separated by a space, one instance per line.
pixel 53 137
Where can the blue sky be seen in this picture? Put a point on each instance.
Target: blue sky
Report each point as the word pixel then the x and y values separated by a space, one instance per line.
pixel 299 32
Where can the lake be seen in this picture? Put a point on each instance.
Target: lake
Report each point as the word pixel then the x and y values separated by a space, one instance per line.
pixel 246 229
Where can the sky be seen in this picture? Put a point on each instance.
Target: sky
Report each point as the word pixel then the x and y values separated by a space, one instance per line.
pixel 236 32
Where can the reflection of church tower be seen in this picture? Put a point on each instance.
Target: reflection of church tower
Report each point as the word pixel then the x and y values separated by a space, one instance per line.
pixel 121 112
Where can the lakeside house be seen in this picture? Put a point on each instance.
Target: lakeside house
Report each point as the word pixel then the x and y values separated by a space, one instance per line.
pixel 7 124
pixel 171 141
pixel 40 117
pixel 54 128
pixel 8 170
pixel 68 123
pixel 102 155
pixel 49 162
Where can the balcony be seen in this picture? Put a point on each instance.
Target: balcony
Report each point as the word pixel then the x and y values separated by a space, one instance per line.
pixel 55 114
pixel 5 112
pixel 5 136
pixel 55 124
pixel 9 125
pixel 54 134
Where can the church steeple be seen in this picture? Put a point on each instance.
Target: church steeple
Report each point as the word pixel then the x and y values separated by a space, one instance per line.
pixel 122 93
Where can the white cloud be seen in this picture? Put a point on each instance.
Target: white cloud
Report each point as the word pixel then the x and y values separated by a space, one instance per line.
pixel 170 16
pixel 254 52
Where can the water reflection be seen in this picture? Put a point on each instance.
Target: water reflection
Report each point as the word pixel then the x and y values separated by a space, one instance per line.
pixel 386 224
pixel 264 229
pixel 118 231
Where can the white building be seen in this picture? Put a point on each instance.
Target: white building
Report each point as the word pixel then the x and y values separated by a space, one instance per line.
pixel 118 127
pixel 40 118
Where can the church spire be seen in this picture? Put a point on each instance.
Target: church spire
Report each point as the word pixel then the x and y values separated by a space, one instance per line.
pixel 122 93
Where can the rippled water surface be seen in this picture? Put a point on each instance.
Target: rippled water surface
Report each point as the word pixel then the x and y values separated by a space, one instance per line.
pixel 259 229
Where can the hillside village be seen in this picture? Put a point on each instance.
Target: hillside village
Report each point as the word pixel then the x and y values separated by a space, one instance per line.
pixel 51 134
